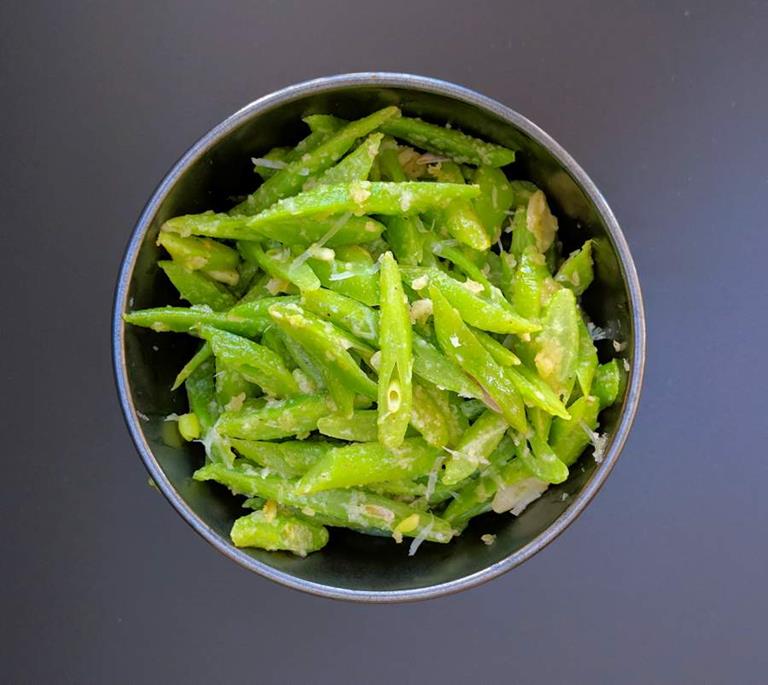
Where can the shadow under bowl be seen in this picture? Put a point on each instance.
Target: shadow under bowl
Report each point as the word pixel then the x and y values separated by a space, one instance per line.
pixel 218 167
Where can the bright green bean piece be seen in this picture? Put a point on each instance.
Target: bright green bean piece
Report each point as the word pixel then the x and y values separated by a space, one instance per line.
pixel 256 363
pixel 368 462
pixel 201 396
pixel 356 165
pixel 577 272
pixel 586 362
pixel 558 341
pixel 535 391
pixel 501 354
pixel 323 122
pixel 344 312
pixel 304 361
pixel 529 283
pixel 232 389
pixel 352 273
pixel 439 420
pixel 459 258
pixel 460 218
pixel 218 261
pixel 290 459
pixel 460 345
pixel 279 263
pixel 395 389
pixel 496 197
pixel 522 238
pixel 569 438
pixel 542 461
pixel 360 427
pixel 362 197
pixel 278 531
pixel 196 288
pixel 432 365
pixel 205 352
pixel 475 446
pixel 522 191
pixel 327 345
pixel 289 181
pixel 452 143
pixel 608 383
pixel 352 507
pixel 274 339
pixel 277 419
pixel 332 231
pixel 485 314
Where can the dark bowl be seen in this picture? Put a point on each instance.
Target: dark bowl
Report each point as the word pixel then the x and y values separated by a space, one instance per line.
pixel 217 167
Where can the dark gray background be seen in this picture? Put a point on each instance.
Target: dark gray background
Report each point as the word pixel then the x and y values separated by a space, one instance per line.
pixel 663 579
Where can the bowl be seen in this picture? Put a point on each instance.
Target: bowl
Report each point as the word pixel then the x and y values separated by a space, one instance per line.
pixel 353 566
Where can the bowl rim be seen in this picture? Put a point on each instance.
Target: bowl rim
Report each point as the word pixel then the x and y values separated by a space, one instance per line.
pixel 456 92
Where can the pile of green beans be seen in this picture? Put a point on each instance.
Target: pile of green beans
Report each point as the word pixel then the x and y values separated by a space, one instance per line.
pixel 390 338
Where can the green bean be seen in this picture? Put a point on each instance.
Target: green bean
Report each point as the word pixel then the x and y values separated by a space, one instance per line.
pixel 475 446
pixel 501 354
pixel 344 312
pixel 495 199
pixel 577 272
pixel 201 396
pixel 327 347
pixel 353 507
pixel 542 461
pixel 460 147
pixel 432 365
pixel 274 339
pixel 280 264
pixel 608 383
pixel 256 363
pixel 205 352
pixel 459 258
pixel 247 275
pixel 356 165
pixel 535 391
pixel 248 319
pixel 351 273
pixel 361 197
pixel 529 283
pixel 462 347
pixel 303 360
pixel 360 427
pixel 332 231
pixel 485 314
pixel 460 218
pixel 189 426
pixel 471 409
pixel 323 123
pixel 395 389
pixel 368 462
pixel 218 261
pixel 558 341
pixel 196 287
pixel 290 459
pixel 277 419
pixel 568 438
pixel 435 416
pixel 522 191
pixel 586 361
pixel 540 221
pixel 522 238
pixel 232 389
pixel 278 531
pixel 289 181
pixel 417 493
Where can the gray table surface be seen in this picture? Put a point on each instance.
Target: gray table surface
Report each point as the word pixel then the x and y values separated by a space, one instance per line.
pixel 662 580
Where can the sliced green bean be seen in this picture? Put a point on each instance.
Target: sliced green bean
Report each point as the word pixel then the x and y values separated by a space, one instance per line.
pixel 529 282
pixel 475 446
pixel 256 363
pixel 275 420
pixel 268 164
pixel 345 312
pixel 460 147
pixel 368 462
pixel 289 181
pixel 279 263
pixel 577 272
pixel 586 361
pixel 205 352
pixel 361 426
pixel 460 345
pixel 218 261
pixel 196 288
pixel 558 341
pixel 432 365
pixel 495 199
pixel 395 389
pixel 290 459
pixel 608 383
pixel 439 420
pixel 542 461
pixel 460 218
pixel 352 273
pixel 568 438
pixel 353 507
pixel 356 165
pixel 278 531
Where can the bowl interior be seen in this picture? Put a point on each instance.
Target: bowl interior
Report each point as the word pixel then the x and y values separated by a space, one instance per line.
pixel 221 169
